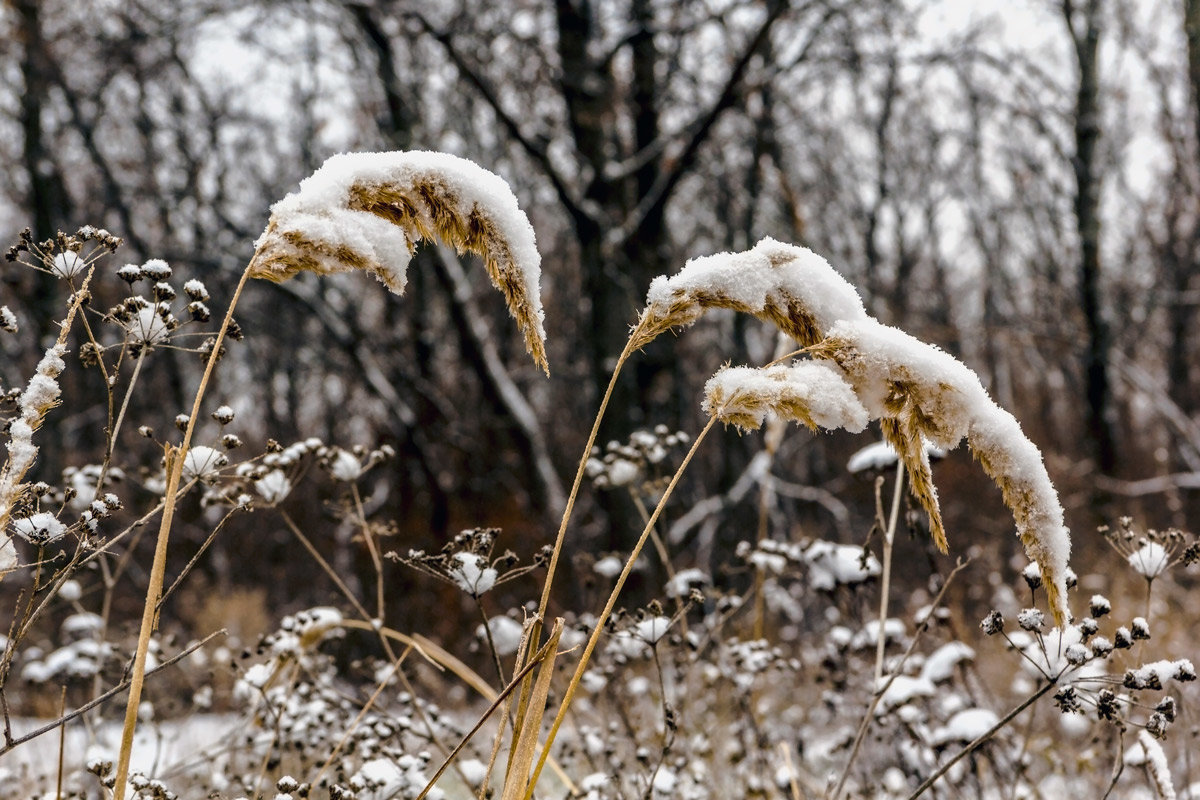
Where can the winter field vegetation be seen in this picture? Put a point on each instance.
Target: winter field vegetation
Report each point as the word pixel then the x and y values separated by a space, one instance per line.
pixel 608 399
pixel 807 680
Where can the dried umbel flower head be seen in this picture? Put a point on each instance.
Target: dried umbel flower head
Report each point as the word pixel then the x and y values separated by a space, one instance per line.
pixel 789 286
pixel 368 211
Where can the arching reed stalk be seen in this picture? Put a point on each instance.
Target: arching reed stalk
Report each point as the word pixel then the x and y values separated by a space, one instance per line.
pixel 367 212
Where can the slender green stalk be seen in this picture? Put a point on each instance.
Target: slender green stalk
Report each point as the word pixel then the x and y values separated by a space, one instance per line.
pixel 174 466
pixel 608 607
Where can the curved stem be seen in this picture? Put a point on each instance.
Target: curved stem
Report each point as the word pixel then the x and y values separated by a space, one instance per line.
pixel 587 452
pixel 608 607
pixel 175 459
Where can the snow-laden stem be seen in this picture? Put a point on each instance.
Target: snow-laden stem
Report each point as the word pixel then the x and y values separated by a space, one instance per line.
pixel 885 579
pixel 980 740
pixel 174 467
pixel 569 695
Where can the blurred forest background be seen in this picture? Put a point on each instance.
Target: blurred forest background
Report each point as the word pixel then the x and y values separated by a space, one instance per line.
pixel 1017 182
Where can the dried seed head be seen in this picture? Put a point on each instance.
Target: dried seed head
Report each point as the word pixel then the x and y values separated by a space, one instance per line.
pixel 367 211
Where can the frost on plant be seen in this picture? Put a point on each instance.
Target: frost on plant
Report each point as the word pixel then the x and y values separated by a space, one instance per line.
pixel 368 211
pixel 921 395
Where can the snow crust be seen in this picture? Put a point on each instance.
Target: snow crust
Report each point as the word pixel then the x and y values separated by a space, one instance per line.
pixel 747 395
pixel 831 565
pixel 965 726
pixel 882 456
pixel 769 271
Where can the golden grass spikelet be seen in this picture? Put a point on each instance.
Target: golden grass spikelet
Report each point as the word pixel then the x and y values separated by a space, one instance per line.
pixel 368 211
pixel 919 392
pixel 813 393
pixel 790 287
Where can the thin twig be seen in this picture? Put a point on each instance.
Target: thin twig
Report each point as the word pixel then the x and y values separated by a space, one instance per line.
pixel 120 687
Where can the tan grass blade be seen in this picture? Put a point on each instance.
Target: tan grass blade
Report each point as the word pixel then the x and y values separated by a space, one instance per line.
pixel 368 211
pixel 516 782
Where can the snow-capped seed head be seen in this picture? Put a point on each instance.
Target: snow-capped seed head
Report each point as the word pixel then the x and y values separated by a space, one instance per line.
pixel 156 270
pixel 1122 638
pixel 146 431
pixel 1032 575
pixel 1101 647
pixel 130 273
pixel 230 442
pixel 993 624
pixel 1088 627
pixel 164 291
pixel 1031 619
pixel 198 311
pixel 181 421
pixel 67 264
pixel 1184 670
pixel 39 529
pixel 223 415
pixel 195 290
pixel 8 320
pixel 1140 629
pixel 367 211
pixel 203 462
pixel 472 573
pixel 1076 654
pixel 1098 606
pixel 345 467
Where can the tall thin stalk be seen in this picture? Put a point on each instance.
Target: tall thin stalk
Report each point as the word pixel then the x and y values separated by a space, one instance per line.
pixel 569 695
pixel 174 466
pixel 885 578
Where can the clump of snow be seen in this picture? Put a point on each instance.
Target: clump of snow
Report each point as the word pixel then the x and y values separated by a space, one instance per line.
pixel 274 486
pixel 202 461
pixel 881 456
pixel 812 392
pixel 68 264
pixel 472 573
pixel 903 689
pixel 1149 753
pixel 506 634
pixel 608 567
pixel 685 580
pixel 965 726
pixel 831 565
pixel 8 320
pixel 1150 560
pixel 41 528
pixel 940 664
pixel 344 466
pixel 148 327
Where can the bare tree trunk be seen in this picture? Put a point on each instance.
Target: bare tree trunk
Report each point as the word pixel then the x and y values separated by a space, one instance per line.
pixel 1083 22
